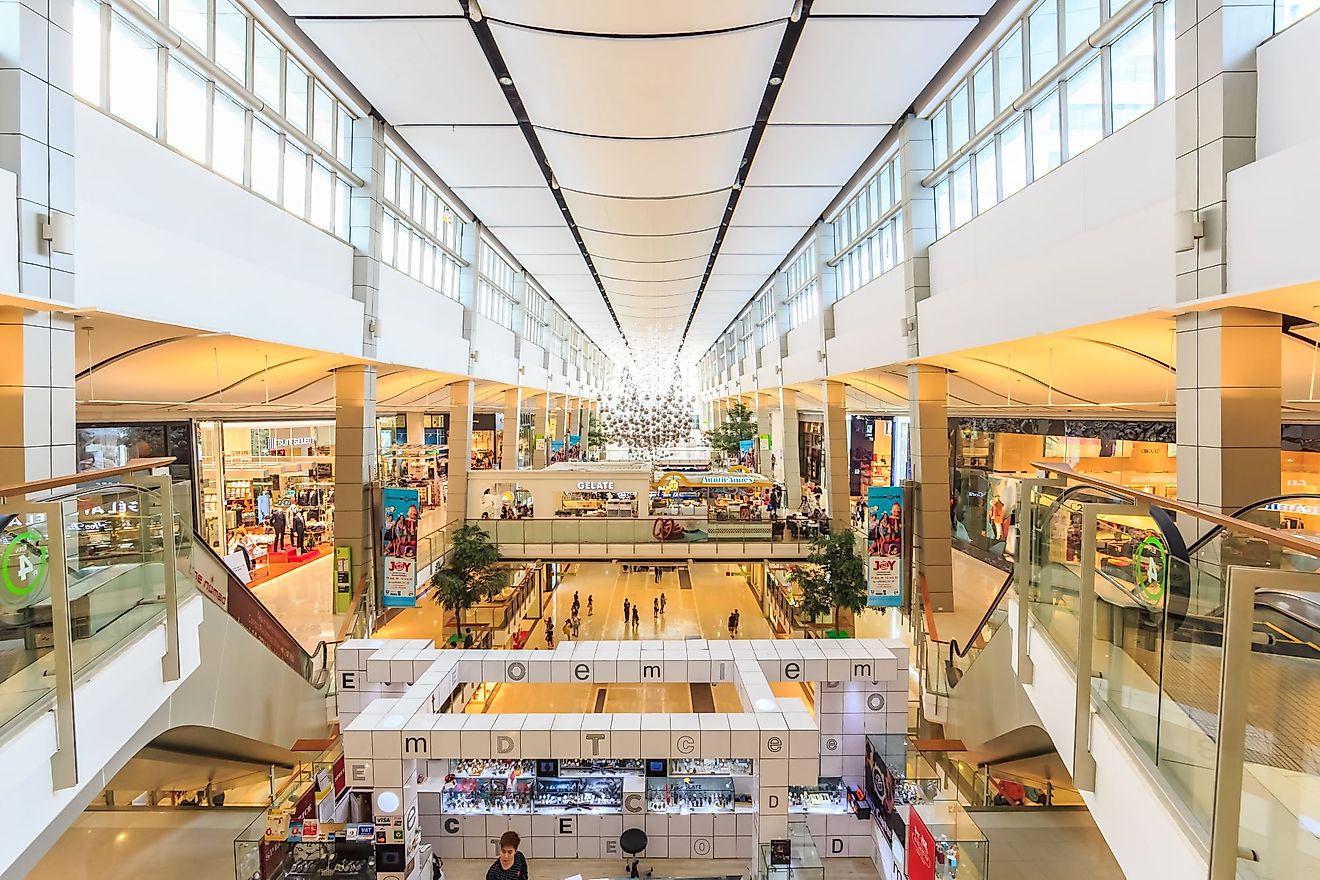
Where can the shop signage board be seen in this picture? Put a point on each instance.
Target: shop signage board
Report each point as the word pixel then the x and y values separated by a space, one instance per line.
pixel 402 509
pixel 920 849
pixel 885 522
pixel 24 562
pixel 343 579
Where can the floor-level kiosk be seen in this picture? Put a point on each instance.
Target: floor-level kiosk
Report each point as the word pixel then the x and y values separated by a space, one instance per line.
pixel 572 784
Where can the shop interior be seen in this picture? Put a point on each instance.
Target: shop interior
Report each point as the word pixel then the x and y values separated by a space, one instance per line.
pixel 267 494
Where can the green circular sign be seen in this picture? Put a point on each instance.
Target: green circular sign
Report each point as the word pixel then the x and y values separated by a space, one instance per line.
pixel 17 560
pixel 1150 562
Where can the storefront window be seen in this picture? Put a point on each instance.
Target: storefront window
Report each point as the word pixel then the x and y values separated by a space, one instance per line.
pixel 484 442
pixel 870 450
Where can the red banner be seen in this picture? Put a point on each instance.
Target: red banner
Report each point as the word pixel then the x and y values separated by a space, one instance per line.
pixel 340 781
pixel 920 849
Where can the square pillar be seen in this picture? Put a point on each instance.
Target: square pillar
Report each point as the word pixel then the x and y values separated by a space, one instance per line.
pixel 916 150
pixel 541 431
pixel 366 218
pixel 928 402
pixel 788 450
pixel 512 425
pixel 355 466
pixel 1229 407
pixel 837 499
pixel 461 395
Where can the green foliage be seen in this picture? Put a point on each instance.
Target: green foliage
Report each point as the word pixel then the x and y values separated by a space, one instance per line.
pixel 472 573
pixel 833 577
pixel 596 438
pixel 739 424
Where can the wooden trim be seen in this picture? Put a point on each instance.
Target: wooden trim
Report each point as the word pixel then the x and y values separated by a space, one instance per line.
pixel 136 465
pixel 1274 536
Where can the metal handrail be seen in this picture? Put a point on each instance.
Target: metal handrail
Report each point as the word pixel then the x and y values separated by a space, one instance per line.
pixel 19 490
pixel 1274 499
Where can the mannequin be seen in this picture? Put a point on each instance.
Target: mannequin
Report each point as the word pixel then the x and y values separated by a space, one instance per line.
pixel 299 529
pixel 279 522
pixel 263 507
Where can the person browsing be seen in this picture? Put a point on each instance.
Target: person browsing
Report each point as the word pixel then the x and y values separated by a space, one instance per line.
pixel 511 865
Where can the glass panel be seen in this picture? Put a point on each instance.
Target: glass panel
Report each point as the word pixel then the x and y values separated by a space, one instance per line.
pixel 1080 18
pixel 323 196
pixel 1085 109
pixel 231 39
pixel 1132 66
pixel 1010 68
pixel 1043 27
pixel 295 95
pixel 962 194
pixel 87 50
pixel 229 134
pixel 958 120
pixel 1045 154
pixel 1169 57
pixel 939 125
pixel 987 186
pixel 343 194
pixel 295 180
pixel 323 118
pixel 983 96
pixel 265 160
pixel 387 239
pixel 265 67
pixel 943 220
pixel 133 75
pixel 185 110
pixel 188 20
pixel 1012 158
pixel 345 132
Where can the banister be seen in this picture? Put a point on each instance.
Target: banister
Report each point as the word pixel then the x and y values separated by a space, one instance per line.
pixel 20 490
pixel 1274 536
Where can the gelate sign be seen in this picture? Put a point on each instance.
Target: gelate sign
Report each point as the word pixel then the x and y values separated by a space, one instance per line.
pixel 596 485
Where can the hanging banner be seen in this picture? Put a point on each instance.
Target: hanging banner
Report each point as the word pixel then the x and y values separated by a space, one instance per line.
pixel 884 546
pixel 920 849
pixel 343 578
pixel 402 508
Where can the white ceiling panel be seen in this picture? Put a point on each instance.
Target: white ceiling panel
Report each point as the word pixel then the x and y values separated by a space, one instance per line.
pixel 636 16
pixel 784 205
pixel 746 264
pixel 530 240
pixel 512 206
pixel 644 168
pixel 640 88
pixel 298 8
pixel 884 61
pixel 398 64
pixel 476 155
pixel 683 287
pixel 719 282
pixel 647 216
pixel 650 271
pixel 836 152
pixel 554 264
pixel 648 248
pixel 901 7
pixel 760 239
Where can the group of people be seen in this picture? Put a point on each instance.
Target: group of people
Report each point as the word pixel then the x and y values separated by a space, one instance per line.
pixel 735 621
pixel 632 612
pixel 573 624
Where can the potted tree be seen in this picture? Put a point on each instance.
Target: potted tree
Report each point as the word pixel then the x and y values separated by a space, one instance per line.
pixel 739 424
pixel 833 579
pixel 471 574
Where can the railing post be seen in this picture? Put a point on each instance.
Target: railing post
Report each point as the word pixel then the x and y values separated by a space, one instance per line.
pixel 64 763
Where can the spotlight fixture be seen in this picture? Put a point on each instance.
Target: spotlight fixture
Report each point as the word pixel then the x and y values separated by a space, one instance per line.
pixel 776 80
pixel 506 80
pixel 475 13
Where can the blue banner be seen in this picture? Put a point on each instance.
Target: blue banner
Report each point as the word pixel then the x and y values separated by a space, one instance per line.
pixel 399 520
pixel 884 546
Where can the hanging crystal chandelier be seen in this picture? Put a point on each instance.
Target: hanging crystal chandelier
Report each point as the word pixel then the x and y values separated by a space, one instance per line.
pixel 648 410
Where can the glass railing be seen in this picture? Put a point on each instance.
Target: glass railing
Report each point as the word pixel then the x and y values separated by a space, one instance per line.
pixel 1208 660
pixel 642 530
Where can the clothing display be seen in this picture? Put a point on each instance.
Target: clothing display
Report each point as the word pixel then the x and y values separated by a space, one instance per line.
pixel 299 529
pixel 279 522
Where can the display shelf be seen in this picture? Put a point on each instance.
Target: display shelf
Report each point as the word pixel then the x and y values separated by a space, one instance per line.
pixel 702 794
pixel 710 767
pixel 602 767
pixel 596 794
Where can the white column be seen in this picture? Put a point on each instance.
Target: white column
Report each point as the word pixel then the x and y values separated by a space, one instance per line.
pixel 928 401
pixel 355 465
pixel 512 419
pixel 461 395
pixel 918 227
pixel 837 500
pixel 788 450
pixel 366 216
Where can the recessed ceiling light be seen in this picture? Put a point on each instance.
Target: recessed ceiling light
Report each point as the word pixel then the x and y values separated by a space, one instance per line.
pixel 506 80
pixel 776 80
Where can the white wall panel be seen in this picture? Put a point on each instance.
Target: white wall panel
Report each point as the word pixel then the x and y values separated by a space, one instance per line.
pixel 494 346
pixel 419 327
pixel 8 232
pixel 803 363
pixel 162 238
pixel 867 325
pixel 1287 103
pixel 1089 242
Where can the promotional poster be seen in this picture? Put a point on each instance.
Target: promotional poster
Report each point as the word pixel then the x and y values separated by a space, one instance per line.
pixel 920 849
pixel 399 538
pixel 884 546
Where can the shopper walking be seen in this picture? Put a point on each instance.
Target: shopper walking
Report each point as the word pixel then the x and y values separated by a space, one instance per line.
pixel 637 619
pixel 657 574
pixel 568 629
pixel 737 622
pixel 590 609
pixel 549 632
pixel 732 625
pixel 577 626
pixel 627 607
pixel 662 604
pixel 655 608
pixel 511 865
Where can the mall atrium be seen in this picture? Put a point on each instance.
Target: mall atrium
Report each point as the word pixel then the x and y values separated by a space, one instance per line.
pixel 544 439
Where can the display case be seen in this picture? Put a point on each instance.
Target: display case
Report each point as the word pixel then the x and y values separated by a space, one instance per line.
pixel 711 767
pixel 692 794
pixel 829 796
pixel 491 769
pixel 597 794
pixel 481 794
pixel 601 767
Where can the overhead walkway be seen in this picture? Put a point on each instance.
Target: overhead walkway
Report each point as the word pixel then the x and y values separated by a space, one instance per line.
pixel 119 631
pixel 1194 743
